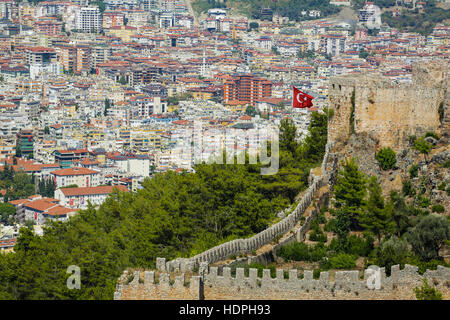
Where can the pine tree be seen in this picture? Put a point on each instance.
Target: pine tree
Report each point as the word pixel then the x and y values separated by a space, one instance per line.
pixel 342 227
pixel 399 212
pixel 350 191
pixel 315 142
pixel 376 218
pixel 288 132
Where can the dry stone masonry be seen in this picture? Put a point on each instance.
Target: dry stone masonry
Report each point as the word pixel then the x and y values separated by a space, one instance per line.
pixel 212 284
pixel 390 112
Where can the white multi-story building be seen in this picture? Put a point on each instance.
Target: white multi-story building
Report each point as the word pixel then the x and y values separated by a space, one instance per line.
pixel 78 198
pixel 167 20
pixel 89 19
pixel 82 177
pixel 334 44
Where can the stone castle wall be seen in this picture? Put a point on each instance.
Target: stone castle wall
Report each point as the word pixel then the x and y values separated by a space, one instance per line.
pixel 149 288
pixel 211 285
pixel 246 246
pixel 389 112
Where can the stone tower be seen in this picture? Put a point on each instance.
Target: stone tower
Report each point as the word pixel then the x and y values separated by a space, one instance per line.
pixel 389 112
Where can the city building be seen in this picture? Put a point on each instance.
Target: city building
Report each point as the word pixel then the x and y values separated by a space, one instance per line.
pixel 78 198
pixel 82 177
pixel 89 20
pixel 246 88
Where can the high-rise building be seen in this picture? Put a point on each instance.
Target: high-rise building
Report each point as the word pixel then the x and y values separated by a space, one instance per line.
pixel 89 19
pixel 24 142
pixel 75 58
pixel 42 61
pixel 40 55
pixel 246 88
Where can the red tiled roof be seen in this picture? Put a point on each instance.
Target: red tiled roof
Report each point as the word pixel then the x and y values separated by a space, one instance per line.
pixel 40 205
pixel 76 171
pixel 59 211
pixel 91 190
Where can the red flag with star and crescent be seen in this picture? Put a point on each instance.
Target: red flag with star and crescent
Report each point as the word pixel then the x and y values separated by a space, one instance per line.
pixel 301 99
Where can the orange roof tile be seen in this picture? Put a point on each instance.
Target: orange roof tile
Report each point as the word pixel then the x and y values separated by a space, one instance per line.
pixel 68 192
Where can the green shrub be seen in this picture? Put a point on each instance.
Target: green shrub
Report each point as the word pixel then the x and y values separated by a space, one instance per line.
pixel 391 252
pixel 422 146
pixel 423 185
pixel 318 236
pixel 314 225
pixel 359 246
pixel 330 226
pixel 424 202
pixel 432 134
pixel 439 208
pixel 442 186
pixel 446 164
pixel 342 261
pixel 408 189
pixel 317 252
pixel 297 251
pixel 386 158
pixel 426 292
pixel 414 171
pixel 321 218
pixel 316 274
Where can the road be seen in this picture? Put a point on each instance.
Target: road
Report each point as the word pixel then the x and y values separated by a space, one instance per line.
pixel 191 11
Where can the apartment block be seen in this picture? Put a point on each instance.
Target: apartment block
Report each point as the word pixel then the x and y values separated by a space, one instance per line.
pixel 246 88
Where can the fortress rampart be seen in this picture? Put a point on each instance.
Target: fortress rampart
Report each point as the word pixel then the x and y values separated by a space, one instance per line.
pixel 390 112
pixel 213 284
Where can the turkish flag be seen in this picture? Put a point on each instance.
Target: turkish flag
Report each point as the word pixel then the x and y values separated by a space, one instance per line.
pixel 301 99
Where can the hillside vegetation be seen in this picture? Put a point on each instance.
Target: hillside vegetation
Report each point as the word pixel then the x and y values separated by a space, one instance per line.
pixel 282 7
pixel 362 227
pixel 421 22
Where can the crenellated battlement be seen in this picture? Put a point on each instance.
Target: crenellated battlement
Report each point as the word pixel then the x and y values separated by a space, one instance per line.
pixel 149 285
pixel 220 283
